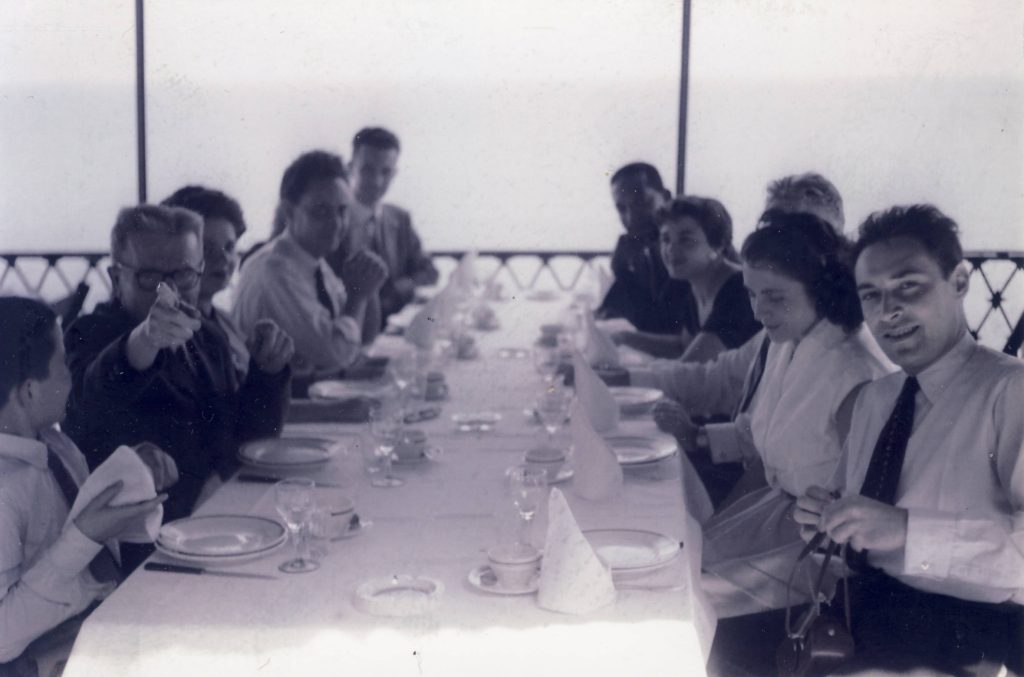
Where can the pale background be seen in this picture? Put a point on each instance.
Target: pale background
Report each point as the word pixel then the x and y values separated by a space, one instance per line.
pixel 512 115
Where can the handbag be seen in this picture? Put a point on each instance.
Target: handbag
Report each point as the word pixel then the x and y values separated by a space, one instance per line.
pixel 820 642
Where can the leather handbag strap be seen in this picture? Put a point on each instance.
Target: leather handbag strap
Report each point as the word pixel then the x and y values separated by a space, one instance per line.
pixel 818 540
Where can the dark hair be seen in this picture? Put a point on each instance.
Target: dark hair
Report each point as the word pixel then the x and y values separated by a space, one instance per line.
pixel 209 204
pixel 375 137
pixel 641 172
pixel 312 166
pixel 808 250
pixel 26 342
pixel 169 221
pixel 934 231
pixel 812 188
pixel 710 214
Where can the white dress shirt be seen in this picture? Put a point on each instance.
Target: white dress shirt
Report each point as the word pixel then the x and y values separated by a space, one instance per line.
pixel 44 564
pixel 278 282
pixel 963 474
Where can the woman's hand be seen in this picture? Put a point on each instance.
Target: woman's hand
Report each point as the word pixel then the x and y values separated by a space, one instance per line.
pixel 673 419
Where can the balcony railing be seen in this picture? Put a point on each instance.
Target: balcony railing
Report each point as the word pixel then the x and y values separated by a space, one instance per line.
pixel 72 280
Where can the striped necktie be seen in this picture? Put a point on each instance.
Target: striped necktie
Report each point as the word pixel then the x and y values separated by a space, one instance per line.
pixel 321 291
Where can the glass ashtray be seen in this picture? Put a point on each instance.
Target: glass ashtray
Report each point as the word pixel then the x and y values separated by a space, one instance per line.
pixel 400 595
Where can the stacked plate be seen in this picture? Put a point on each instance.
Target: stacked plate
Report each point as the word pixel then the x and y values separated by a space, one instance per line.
pixel 632 552
pixel 635 401
pixel 288 453
pixel 641 450
pixel 346 390
pixel 220 540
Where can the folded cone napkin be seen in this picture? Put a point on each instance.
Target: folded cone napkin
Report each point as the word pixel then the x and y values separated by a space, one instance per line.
pixel 598 473
pixel 573 580
pixel 600 349
pixel 125 465
pixel 593 394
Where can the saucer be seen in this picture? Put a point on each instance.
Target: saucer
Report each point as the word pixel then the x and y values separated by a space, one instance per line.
pixel 431 453
pixel 483 579
pixel 564 475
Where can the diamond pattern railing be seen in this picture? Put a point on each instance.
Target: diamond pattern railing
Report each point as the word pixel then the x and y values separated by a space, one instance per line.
pixel 995 302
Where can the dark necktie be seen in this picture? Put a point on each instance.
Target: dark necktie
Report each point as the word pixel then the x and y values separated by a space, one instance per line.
pixel 321 292
pixel 756 373
pixel 102 567
pixel 883 476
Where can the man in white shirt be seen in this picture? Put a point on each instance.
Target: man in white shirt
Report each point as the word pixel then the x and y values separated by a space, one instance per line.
pixel 50 568
pixel 932 512
pixel 385 229
pixel 288 281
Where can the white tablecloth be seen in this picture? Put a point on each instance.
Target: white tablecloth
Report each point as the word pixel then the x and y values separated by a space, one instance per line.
pixel 439 524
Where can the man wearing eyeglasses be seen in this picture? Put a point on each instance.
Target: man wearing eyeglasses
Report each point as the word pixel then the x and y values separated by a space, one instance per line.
pixel 147 367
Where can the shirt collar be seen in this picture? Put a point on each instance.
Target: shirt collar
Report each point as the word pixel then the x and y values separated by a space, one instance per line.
pixel 23 449
pixel 287 245
pixel 934 379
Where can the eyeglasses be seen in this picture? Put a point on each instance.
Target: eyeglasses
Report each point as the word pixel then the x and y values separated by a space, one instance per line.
pixel 149 279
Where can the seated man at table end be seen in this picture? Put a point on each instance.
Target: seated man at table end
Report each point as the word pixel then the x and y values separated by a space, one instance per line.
pixel 51 569
pixel 287 280
pixel 147 366
pixel 642 292
pixel 383 228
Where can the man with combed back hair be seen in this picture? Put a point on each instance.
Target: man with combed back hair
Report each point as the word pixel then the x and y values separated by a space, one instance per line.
pixel 147 366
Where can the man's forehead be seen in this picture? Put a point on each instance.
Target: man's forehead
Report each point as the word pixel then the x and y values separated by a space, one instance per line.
pixel 894 258
pixel 154 248
pixel 376 156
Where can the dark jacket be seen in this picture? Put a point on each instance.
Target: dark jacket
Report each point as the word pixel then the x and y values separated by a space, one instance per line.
pixel 189 402
pixel 643 292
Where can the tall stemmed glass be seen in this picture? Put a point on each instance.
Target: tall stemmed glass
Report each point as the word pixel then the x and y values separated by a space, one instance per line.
pixel 528 489
pixel 552 408
pixel 385 429
pixel 403 368
pixel 545 361
pixel 294 501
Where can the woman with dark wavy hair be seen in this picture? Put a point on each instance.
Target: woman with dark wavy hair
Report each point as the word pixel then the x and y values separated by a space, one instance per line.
pixel 695 236
pixel 797 272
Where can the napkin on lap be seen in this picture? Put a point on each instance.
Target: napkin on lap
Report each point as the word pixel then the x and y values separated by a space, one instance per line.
pixel 125 465
pixel 600 349
pixel 598 474
pixel 597 400
pixel 572 578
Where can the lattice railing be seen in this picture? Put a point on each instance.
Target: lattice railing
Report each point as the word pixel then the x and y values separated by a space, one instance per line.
pixel 994 305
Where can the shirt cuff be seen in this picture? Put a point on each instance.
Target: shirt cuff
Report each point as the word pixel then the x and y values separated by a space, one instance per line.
pixel 724 442
pixel 68 557
pixel 930 543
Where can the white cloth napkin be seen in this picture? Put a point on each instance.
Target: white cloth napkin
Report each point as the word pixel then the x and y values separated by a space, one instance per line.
pixel 125 465
pixel 598 474
pixel 604 282
pixel 464 274
pixel 600 349
pixel 597 400
pixel 572 578
pixel 428 321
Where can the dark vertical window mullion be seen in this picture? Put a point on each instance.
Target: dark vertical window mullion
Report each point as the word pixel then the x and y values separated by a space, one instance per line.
pixel 140 97
pixel 684 93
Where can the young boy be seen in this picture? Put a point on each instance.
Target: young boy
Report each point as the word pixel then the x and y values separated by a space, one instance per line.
pixel 46 565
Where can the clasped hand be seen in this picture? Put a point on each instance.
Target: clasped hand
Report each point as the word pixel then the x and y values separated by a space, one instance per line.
pixel 364 273
pixel 671 417
pixel 864 523
pixel 270 346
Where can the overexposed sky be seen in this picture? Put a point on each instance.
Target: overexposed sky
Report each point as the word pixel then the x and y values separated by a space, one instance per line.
pixel 512 115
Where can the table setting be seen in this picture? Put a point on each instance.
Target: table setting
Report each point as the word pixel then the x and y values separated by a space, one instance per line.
pixel 479 540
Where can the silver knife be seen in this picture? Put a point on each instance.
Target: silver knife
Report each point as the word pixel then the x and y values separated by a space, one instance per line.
pixel 250 478
pixel 182 569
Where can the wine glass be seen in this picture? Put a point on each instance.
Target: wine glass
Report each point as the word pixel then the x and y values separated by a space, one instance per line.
pixel 403 368
pixel 545 361
pixel 385 429
pixel 528 489
pixel 294 501
pixel 552 408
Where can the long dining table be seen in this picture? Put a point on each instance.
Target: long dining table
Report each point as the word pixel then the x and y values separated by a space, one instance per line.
pixel 438 524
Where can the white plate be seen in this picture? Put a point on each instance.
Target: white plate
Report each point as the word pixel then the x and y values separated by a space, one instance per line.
pixel 400 595
pixel 287 452
pixel 639 449
pixel 635 401
pixel 220 539
pixel 632 551
pixel 482 578
pixel 431 453
pixel 483 421
pixel 344 390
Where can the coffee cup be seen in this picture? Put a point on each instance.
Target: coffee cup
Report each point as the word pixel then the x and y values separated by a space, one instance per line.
pixel 514 565
pixel 412 445
pixel 331 516
pixel 547 459
pixel 434 386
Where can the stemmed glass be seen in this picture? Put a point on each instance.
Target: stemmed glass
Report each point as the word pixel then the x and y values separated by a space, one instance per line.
pixel 545 361
pixel 385 429
pixel 528 488
pixel 294 502
pixel 552 408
